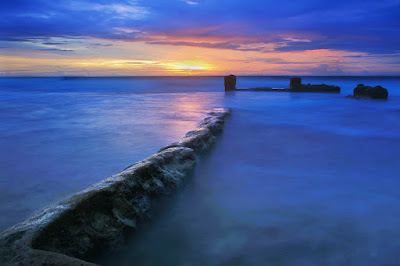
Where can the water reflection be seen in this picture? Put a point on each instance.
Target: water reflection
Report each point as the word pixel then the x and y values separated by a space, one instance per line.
pixel 296 179
pixel 55 144
pixel 285 185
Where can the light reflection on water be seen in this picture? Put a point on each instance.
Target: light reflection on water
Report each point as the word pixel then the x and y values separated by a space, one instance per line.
pixel 281 195
pixel 296 179
pixel 53 145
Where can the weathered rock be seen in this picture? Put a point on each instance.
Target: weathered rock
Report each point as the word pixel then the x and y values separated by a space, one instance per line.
pixel 230 83
pixel 205 134
pixel 296 86
pixel 295 83
pixel 317 88
pixel 376 92
pixel 220 113
pixel 96 220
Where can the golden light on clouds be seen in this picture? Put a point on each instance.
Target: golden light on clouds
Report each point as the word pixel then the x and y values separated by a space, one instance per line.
pixel 188 68
pixel 103 66
pixel 193 37
pixel 185 67
pixel 139 58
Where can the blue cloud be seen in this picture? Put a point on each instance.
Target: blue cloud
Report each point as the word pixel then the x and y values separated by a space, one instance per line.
pixel 356 25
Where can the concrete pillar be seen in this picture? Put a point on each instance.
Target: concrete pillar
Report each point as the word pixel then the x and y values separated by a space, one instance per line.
pixel 295 83
pixel 230 83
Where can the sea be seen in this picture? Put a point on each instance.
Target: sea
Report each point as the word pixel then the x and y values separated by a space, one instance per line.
pixel 295 179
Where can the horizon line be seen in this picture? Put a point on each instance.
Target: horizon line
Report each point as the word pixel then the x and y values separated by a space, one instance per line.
pixel 196 76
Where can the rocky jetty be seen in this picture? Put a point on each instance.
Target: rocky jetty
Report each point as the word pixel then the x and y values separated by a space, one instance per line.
pixel 376 92
pixel 203 136
pixel 296 86
pixel 96 220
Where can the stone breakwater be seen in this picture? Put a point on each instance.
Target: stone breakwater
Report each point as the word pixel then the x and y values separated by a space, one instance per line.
pixel 295 86
pixel 97 220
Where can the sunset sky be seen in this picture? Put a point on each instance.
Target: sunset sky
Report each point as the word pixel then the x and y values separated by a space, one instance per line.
pixel 199 37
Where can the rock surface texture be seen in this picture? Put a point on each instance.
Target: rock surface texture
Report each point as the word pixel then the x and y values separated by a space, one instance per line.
pixel 204 136
pixel 96 220
pixel 376 92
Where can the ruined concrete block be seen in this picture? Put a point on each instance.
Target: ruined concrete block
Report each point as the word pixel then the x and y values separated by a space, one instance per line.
pixel 295 83
pixel 230 83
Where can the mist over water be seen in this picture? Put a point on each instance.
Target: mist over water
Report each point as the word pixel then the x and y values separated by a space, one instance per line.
pixel 296 178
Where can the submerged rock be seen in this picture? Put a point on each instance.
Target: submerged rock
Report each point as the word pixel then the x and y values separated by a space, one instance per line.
pixel 96 220
pixel 376 92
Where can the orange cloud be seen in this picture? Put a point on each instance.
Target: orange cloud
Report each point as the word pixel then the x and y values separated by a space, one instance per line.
pixel 141 58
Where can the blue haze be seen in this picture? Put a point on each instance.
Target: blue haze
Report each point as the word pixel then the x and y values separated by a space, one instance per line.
pixel 296 179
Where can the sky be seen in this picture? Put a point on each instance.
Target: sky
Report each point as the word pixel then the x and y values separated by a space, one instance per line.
pixel 199 37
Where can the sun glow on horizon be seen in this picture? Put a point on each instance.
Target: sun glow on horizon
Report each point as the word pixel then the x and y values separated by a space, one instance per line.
pixel 137 59
pixel 198 37
pixel 185 67
pixel 101 66
pixel 189 67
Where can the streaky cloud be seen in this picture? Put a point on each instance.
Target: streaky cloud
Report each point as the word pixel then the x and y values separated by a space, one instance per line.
pixel 223 45
pixel 190 2
pixel 360 34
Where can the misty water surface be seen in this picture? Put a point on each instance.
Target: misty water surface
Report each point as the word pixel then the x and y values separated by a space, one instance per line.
pixel 295 178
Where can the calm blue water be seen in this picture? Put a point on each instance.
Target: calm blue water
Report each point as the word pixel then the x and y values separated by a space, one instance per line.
pixel 296 179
